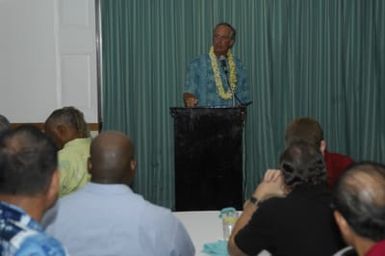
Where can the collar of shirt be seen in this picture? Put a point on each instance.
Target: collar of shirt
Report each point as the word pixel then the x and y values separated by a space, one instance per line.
pixel 17 217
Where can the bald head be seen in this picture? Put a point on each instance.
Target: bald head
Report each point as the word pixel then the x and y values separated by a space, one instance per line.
pixel 112 159
pixel 360 198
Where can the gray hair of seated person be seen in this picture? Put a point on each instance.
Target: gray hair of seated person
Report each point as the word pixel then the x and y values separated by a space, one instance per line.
pixel 359 195
pixel 4 123
pixel 302 163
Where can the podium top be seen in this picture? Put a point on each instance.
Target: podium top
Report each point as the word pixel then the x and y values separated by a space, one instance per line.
pixel 211 107
pixel 206 110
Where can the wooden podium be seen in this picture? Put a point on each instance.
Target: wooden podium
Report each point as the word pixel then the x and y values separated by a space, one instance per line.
pixel 208 157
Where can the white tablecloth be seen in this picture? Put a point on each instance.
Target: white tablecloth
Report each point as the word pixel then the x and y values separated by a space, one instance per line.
pixel 204 227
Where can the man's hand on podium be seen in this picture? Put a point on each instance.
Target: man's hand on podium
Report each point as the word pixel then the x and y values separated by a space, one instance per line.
pixel 190 100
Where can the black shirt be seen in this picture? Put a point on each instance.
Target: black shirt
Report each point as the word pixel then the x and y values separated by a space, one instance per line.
pixel 300 224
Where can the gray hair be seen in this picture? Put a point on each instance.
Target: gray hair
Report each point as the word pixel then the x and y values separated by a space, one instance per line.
pixel 359 196
pixel 233 31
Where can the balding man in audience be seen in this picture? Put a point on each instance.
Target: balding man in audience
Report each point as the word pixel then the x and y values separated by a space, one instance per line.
pixel 359 201
pixel 106 218
pixel 29 185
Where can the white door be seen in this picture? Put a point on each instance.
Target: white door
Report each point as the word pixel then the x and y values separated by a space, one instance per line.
pixel 47 58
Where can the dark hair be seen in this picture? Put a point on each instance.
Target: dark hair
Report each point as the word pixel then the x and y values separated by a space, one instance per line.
pixel 70 116
pixel 304 129
pixel 4 123
pixel 234 32
pixel 359 195
pixel 302 163
pixel 28 158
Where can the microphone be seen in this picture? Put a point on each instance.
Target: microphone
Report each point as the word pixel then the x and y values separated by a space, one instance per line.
pixel 222 60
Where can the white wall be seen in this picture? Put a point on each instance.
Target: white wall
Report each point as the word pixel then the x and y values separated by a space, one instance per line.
pixel 47 58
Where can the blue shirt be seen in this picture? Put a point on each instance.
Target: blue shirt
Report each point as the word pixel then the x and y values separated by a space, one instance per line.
pixel 109 219
pixel 20 235
pixel 200 82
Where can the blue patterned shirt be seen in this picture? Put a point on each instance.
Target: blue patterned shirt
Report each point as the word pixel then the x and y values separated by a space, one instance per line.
pixel 200 82
pixel 20 235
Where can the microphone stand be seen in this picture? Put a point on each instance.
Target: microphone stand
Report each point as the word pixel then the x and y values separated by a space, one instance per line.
pixel 222 60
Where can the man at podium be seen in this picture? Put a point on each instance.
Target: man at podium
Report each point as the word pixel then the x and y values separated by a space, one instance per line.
pixel 217 78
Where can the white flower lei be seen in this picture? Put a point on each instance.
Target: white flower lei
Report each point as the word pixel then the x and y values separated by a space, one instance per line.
pixel 226 95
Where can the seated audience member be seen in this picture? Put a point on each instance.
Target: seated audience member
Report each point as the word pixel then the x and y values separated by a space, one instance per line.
pixel 105 217
pixel 4 123
pixel 29 184
pixel 70 132
pixel 359 201
pixel 309 130
pixel 289 212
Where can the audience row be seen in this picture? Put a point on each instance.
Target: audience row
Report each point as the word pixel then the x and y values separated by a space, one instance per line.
pixel 316 203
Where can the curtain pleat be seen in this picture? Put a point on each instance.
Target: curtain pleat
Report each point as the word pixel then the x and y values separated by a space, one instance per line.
pixel 324 59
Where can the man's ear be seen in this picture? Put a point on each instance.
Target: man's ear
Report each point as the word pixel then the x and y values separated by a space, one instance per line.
pixel 131 172
pixel 60 132
pixel 343 225
pixel 133 168
pixel 89 165
pixel 232 43
pixel 322 146
pixel 53 189
pixel 61 129
pixel 341 222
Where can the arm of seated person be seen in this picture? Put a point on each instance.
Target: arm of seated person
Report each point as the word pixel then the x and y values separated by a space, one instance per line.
pixel 271 186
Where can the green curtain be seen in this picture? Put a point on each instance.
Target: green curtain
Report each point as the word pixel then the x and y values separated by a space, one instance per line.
pixel 324 59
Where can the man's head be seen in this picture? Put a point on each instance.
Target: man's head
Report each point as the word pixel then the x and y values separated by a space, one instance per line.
pixel 302 163
pixel 359 201
pixel 112 159
pixel 4 123
pixel 28 165
pixel 223 38
pixel 306 129
pixel 66 124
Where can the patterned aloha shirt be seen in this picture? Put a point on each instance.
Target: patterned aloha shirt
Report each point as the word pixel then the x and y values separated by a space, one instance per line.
pixel 200 82
pixel 20 235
